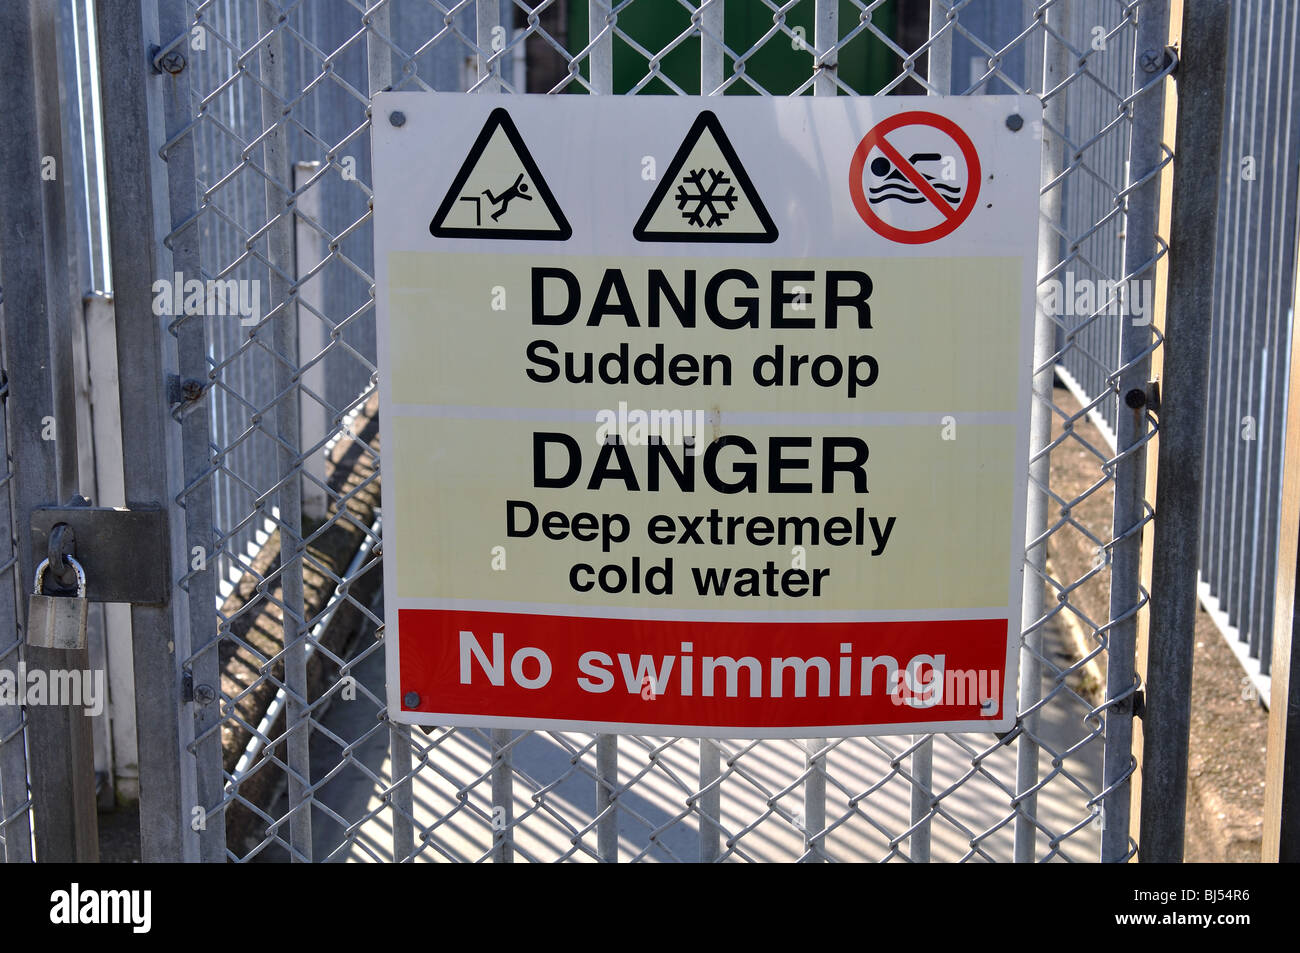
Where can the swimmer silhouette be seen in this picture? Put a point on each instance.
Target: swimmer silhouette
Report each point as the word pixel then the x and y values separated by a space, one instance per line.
pixel 898 187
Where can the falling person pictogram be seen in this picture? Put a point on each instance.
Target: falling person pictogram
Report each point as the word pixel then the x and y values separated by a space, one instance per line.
pixel 517 191
pixel 480 204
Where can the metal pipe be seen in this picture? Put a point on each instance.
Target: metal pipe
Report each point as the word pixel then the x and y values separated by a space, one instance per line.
pixel 607 797
pixel 814 800
pixel 1056 66
pixel 503 796
pixel 939 75
pixel 600 37
pixel 712 68
pixel 1140 252
pixel 826 38
pixel 198 594
pixel 280 297
pixel 918 842
pixel 488 17
pixel 710 802
pixel 939 57
pixel 712 17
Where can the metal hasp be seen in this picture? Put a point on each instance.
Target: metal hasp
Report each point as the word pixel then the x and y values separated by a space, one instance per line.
pixel 124 551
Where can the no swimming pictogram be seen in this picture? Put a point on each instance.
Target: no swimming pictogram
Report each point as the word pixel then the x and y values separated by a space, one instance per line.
pixel 906 202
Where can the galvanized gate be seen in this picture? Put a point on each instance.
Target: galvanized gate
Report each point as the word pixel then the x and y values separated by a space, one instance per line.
pixel 237 156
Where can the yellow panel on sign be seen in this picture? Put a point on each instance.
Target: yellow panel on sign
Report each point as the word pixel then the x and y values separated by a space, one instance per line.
pixel 871 544
pixel 788 335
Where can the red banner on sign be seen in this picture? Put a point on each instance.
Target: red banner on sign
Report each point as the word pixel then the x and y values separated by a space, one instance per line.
pixel 701 673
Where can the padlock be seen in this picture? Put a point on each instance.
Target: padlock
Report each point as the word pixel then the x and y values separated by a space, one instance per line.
pixel 57 622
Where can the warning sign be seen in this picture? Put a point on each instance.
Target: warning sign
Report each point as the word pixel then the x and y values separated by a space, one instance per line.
pixel 734 459
pixel 915 177
pixel 498 192
pixel 706 195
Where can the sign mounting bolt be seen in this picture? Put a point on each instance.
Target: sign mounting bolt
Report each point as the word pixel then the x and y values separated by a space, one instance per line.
pixel 172 62
pixel 411 699
pixel 397 118
pixel 1015 122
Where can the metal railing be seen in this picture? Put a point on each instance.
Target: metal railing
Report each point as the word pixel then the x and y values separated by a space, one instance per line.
pixel 1252 325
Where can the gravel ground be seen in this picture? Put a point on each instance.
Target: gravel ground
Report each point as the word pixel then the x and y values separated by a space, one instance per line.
pixel 1225 801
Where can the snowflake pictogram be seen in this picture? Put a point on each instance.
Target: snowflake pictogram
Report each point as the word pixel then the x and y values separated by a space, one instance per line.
pixel 700 199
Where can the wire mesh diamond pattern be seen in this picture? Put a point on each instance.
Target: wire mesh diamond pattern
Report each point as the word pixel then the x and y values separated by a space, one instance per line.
pixel 278 135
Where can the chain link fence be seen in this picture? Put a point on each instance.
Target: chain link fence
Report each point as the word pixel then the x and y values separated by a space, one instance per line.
pixel 15 804
pixel 264 153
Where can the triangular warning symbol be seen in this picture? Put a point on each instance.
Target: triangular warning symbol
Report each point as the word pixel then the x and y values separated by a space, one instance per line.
pixel 499 191
pixel 706 195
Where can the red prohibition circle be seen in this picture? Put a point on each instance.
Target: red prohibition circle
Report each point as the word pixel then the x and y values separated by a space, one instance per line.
pixel 953 217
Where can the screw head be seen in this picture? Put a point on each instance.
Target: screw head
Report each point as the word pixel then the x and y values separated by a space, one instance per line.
pixel 205 694
pixel 1152 60
pixel 397 118
pixel 1136 398
pixel 172 62
pixel 1015 122
pixel 411 699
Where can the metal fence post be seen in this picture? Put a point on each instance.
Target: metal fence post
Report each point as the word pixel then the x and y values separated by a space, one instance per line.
pixel 197 588
pixel 153 456
pixel 601 37
pixel 1055 68
pixel 1142 193
pixel 281 296
pixel 712 67
pixel 379 77
pixel 1182 413
pixel 939 76
pixel 37 314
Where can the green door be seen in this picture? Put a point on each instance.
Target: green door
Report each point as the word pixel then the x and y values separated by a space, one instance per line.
pixel 779 65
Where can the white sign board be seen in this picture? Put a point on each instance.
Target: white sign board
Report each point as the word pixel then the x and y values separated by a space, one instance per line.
pixel 705 416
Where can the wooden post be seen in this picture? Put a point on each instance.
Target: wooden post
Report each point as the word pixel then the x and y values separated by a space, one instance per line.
pixel 1282 771
pixel 1158 306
